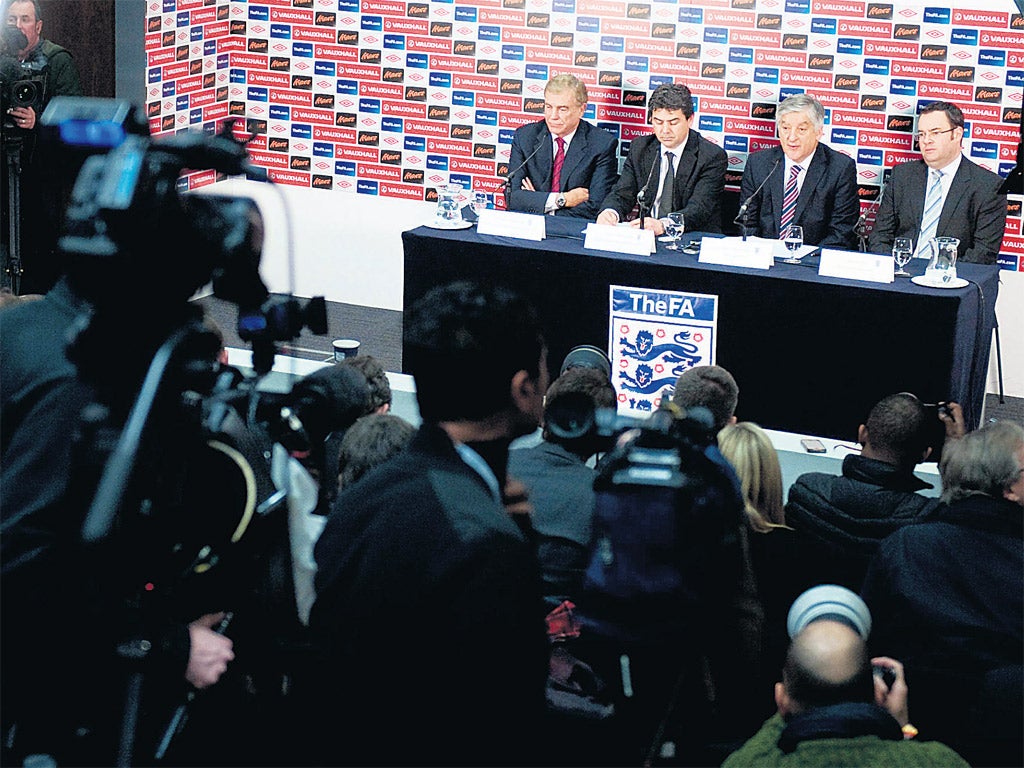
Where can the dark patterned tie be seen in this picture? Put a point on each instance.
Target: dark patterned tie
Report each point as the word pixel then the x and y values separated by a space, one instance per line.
pixel 667 191
pixel 556 168
pixel 789 201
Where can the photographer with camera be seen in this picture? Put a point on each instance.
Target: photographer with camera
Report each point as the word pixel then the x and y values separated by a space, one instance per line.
pixel 33 70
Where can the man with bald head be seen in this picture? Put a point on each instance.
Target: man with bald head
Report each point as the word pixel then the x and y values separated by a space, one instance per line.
pixel 832 710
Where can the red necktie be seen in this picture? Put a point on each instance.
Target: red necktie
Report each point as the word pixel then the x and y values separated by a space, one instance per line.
pixel 556 170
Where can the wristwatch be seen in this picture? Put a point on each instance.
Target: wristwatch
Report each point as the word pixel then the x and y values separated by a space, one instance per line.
pixel 560 201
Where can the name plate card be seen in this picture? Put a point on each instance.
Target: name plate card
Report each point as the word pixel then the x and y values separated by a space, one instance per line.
pixel 851 265
pixel 620 239
pixel 753 253
pixel 525 226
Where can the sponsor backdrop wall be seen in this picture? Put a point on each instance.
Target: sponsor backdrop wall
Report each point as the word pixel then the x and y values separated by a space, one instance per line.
pixel 391 98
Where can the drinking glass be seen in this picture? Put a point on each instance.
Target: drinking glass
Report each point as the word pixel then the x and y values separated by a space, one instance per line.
pixel 674 227
pixel 479 202
pixel 794 242
pixel 902 251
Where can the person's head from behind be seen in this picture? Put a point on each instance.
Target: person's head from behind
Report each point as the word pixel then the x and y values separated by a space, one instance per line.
pixel 569 405
pixel 750 451
pixel 477 354
pixel 827 664
pixel 711 387
pixel 371 441
pixel 896 431
pixel 376 378
pixel 986 462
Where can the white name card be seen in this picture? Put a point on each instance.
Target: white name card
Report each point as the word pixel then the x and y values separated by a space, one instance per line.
pixel 851 265
pixel 619 239
pixel 526 226
pixel 753 253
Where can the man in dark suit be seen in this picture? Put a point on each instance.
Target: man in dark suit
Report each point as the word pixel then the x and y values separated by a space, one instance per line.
pixel 967 204
pixel 428 613
pixel 562 165
pixel 694 189
pixel 811 185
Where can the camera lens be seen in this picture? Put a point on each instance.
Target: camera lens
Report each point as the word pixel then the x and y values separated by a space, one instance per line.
pixel 24 93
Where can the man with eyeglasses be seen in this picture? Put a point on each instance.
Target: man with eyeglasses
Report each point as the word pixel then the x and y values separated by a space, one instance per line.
pixel 942 195
pixel 805 182
pixel 561 165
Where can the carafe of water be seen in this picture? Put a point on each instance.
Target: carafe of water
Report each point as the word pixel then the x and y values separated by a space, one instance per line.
pixel 942 264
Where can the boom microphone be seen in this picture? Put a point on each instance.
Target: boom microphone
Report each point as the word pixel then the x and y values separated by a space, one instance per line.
pixel 741 214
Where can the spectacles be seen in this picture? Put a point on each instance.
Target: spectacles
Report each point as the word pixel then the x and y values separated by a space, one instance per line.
pixel 921 136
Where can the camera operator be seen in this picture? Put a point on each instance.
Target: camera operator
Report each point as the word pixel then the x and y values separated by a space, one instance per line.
pixel 27 54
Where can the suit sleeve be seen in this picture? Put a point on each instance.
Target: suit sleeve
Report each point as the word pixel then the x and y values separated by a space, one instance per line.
pixel 519 199
pixel 846 209
pixel 703 209
pixel 622 198
pixel 882 233
pixel 990 227
pixel 606 172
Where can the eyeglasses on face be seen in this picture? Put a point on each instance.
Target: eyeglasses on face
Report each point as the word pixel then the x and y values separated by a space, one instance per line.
pixel 932 135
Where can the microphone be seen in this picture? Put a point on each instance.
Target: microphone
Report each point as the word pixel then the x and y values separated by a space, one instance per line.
pixel 742 213
pixel 508 178
pixel 641 196
pixel 861 227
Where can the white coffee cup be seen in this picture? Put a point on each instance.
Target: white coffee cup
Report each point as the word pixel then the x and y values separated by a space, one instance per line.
pixel 345 348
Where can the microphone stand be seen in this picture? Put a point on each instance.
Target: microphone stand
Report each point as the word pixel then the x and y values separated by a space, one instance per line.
pixel 741 215
pixel 641 196
pixel 861 227
pixel 508 178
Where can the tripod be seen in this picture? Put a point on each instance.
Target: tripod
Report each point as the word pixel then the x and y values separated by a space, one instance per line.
pixel 10 275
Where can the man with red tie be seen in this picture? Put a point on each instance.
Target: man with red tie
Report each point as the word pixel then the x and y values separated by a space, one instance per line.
pixel 561 165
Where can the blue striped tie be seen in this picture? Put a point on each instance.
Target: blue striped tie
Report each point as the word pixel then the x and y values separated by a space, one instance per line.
pixel 789 201
pixel 932 211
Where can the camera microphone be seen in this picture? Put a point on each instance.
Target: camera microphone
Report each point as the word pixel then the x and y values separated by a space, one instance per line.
pixel 740 215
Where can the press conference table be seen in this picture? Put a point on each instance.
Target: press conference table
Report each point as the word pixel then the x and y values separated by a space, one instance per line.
pixel 811 354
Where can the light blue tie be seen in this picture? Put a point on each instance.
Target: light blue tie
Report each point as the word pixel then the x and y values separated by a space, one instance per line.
pixel 932 211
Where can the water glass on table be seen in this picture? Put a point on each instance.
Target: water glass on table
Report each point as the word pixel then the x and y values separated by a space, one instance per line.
pixel 479 202
pixel 674 228
pixel 902 251
pixel 794 242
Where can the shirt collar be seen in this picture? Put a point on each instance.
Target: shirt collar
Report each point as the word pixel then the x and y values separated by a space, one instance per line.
pixel 475 462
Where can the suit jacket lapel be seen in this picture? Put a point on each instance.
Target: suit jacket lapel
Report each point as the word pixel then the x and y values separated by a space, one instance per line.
pixel 916 191
pixel 684 170
pixel 816 172
pixel 955 198
pixel 775 190
pixel 577 151
pixel 544 158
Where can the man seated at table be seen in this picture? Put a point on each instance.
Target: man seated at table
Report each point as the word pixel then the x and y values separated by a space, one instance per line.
pixel 562 165
pixel 808 183
pixel 942 195
pixel 675 169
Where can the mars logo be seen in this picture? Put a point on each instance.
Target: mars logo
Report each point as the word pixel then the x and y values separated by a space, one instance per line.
pixel 763 111
pixel 153 24
pixel 539 20
pixel 485 151
pixel 769 21
pixel 181 53
pixel 222 12
pixel 988 95
pixel 438 113
pixel 713 70
pixel 369 57
pixel 688 51
pixel 1011 114
pixel 610 79
pixel 794 42
pixel 236 108
pixel 846 82
pixel 167 123
pixel 502 169
pixel 415 93
pixel 348 37
pixel 663 31
pixel 195 67
pixel 390 157
pixel 899 123
pixel 325 19
pixel 820 61
pixel 209 80
pixel 464 48
pixel 323 101
pixel 277 145
pixel 153 109
pixel 562 39
pixel 876 103
pixel 585 59
pixel 298 163
pixel 440 29
pixel 321 182
pixel 417 10
pixel 906 32
pixel 412 175
pixel 236 27
pixel 461 132
pixel 634 98
pixel 1013 208
pixel 368 139
pixel 392 75
pixel 533 105
pixel 1017 21
pixel 511 86
pixel 484 67
pixel 167 39
pixel 302 82
pixel 222 93
pixel 879 11
pixel 933 52
pixel 430 196
pixel 514 4
pixel 960 74
pixel 747 5
pixel 257 45
pixel 345 119
pixel 279 63
pixel 638 11
pixel 738 91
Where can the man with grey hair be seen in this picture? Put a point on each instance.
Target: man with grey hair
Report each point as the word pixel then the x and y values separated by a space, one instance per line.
pixel 709 386
pixel 948 598
pixel 561 165
pixel 805 182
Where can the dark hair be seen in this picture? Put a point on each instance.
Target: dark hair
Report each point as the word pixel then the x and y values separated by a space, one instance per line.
pixel 671 96
pixel 952 111
pixel 578 382
pixel 710 386
pixel 808 688
pixel 463 344
pixel 897 426
pixel 376 379
pixel 372 440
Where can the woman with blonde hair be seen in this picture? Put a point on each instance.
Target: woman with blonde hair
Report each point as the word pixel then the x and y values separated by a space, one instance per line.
pixel 751 453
